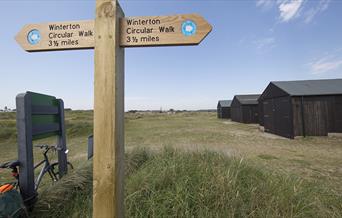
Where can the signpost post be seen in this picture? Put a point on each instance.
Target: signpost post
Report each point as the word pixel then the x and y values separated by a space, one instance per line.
pixel 109 34
pixel 108 169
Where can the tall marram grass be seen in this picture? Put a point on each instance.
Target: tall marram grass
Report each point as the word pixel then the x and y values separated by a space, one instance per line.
pixel 199 184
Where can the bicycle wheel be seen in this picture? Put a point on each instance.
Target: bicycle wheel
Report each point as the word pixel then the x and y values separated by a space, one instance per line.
pixel 55 170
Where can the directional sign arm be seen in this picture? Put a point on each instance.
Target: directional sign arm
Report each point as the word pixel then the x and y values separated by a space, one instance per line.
pixel 57 36
pixel 186 29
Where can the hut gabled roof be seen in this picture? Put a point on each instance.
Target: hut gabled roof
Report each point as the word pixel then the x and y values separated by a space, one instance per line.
pixel 247 99
pixel 224 103
pixel 311 87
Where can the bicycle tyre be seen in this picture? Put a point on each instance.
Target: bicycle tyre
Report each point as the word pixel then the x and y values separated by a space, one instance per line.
pixel 54 168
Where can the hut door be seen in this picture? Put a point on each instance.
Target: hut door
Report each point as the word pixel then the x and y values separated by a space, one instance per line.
pixel 282 117
pixel 338 114
pixel 268 115
pixel 316 116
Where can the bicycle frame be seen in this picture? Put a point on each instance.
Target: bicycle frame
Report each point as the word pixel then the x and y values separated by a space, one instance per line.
pixel 46 169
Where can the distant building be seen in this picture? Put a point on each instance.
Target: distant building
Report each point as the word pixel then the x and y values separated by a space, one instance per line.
pixel 223 109
pixel 244 108
pixel 6 109
pixel 302 108
pixel 205 110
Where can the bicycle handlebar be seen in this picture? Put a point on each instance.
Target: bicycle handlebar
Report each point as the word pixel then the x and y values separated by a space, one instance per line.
pixel 14 164
pixel 48 147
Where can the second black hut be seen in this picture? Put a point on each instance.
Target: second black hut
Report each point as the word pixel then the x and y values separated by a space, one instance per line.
pixel 223 109
pixel 244 109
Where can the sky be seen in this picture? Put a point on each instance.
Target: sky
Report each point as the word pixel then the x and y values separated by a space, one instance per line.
pixel 252 43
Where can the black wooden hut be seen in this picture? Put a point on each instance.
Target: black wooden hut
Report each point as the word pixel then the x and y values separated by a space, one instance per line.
pixel 244 109
pixel 302 108
pixel 223 109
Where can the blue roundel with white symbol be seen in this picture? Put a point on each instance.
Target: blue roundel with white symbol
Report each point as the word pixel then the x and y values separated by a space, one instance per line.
pixel 33 37
pixel 189 28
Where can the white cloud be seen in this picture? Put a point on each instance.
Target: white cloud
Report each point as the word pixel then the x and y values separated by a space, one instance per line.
pixel 265 4
pixel 289 9
pixel 325 64
pixel 264 43
pixel 322 6
pixel 260 45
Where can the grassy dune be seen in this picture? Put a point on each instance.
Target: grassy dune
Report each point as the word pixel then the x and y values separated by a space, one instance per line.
pixel 197 184
pixel 200 174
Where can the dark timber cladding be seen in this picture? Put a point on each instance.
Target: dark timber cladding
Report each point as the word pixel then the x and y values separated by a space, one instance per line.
pixel 244 108
pixel 302 108
pixel 223 109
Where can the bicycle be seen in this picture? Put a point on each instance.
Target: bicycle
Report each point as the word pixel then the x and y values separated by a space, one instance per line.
pixel 51 169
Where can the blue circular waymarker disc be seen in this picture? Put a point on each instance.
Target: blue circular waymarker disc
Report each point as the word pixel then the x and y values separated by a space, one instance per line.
pixel 189 28
pixel 33 37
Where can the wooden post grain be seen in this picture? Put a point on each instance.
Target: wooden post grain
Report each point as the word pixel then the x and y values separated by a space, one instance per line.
pixel 108 196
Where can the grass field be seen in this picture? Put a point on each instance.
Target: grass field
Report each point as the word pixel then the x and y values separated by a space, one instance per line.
pixel 210 168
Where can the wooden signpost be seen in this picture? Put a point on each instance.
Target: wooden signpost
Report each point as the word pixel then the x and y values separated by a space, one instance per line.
pixel 186 29
pixel 109 34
